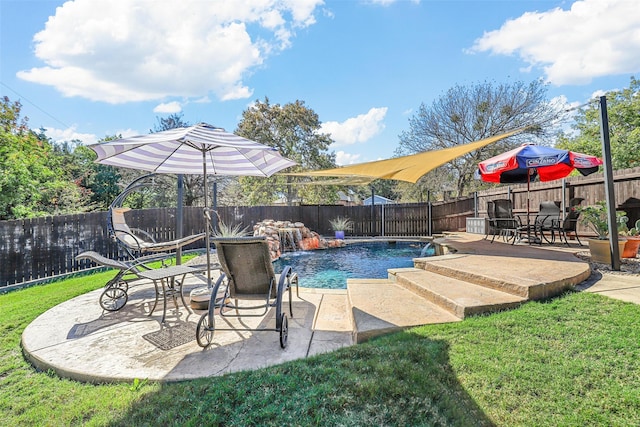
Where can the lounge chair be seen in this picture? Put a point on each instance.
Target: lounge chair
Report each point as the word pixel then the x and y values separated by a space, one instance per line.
pixel 137 242
pixel 165 280
pixel 115 294
pixel 247 268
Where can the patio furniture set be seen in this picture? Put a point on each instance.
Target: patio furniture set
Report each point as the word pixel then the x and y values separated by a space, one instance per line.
pixel 545 225
pixel 246 274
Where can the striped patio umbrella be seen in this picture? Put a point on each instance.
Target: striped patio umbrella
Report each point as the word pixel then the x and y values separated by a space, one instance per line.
pixel 200 149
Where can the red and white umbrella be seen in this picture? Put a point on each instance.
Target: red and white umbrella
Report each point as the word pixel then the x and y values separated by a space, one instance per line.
pixel 530 162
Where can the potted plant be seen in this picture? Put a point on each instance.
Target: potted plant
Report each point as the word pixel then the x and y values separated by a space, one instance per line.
pixel 340 225
pixel 632 237
pixel 597 218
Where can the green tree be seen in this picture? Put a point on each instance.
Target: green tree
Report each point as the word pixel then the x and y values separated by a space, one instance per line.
pixel 469 113
pixel 294 129
pixel 623 109
pixel 33 176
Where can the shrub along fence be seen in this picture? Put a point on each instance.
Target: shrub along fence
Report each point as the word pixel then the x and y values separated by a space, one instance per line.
pixel 37 249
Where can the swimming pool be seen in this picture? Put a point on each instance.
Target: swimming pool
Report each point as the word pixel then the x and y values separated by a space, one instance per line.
pixel 330 268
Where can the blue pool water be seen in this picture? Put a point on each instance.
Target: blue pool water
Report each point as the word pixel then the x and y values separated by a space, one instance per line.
pixel 330 268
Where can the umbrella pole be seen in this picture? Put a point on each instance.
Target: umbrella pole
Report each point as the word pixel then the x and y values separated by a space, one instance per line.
pixel 528 209
pixel 206 218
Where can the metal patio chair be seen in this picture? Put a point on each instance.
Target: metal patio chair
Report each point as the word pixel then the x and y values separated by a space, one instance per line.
pixel 137 242
pixel 115 294
pixel 134 241
pixel 504 223
pixel 546 220
pixel 248 272
pixel 570 223
pixel 166 280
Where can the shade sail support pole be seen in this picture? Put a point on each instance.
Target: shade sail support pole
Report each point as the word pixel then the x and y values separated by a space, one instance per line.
pixel 608 187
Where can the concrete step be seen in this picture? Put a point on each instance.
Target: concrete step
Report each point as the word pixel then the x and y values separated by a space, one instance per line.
pixel 380 306
pixel 526 277
pixel 459 297
pixel 457 267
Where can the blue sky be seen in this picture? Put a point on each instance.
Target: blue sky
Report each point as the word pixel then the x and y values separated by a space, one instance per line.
pixel 86 69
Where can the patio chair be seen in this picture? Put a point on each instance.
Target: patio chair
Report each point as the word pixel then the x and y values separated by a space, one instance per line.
pixel 137 242
pixel 547 220
pixel 491 214
pixel 165 280
pixel 570 223
pixel 504 223
pixel 115 294
pixel 247 268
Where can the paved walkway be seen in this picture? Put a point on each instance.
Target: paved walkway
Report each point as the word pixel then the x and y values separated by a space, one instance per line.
pixel 78 340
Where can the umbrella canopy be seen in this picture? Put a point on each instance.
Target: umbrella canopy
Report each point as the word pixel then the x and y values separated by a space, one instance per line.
pixel 527 162
pixel 200 149
pixel 193 150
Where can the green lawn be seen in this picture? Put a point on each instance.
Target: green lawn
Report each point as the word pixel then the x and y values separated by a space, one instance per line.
pixel 570 361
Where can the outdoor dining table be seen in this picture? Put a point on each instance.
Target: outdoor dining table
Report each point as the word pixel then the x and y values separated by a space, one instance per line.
pixel 528 229
pixel 170 286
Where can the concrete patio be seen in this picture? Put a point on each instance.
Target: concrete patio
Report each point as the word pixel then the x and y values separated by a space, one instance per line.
pixel 78 340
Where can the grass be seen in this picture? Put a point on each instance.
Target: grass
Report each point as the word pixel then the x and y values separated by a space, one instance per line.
pixel 569 361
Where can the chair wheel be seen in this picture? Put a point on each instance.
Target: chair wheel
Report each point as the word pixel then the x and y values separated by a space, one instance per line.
pixel 113 298
pixel 284 330
pixel 123 285
pixel 205 330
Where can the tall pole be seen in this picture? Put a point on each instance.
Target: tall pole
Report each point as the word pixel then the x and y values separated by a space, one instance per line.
pixel 563 204
pixel 215 225
pixel 207 218
pixel 373 210
pixel 430 223
pixel 475 204
pixel 180 217
pixel 608 187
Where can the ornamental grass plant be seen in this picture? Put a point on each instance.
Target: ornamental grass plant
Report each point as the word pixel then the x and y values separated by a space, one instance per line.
pixel 341 224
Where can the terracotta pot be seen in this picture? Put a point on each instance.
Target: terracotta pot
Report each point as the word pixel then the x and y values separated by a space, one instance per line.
pixel 600 251
pixel 631 247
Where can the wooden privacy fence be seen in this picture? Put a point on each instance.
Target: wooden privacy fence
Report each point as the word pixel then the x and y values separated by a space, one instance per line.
pixel 41 248
pixel 37 249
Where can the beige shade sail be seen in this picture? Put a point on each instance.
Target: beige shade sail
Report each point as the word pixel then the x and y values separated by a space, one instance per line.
pixel 408 168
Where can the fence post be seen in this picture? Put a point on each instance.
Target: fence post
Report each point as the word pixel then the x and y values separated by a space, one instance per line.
pixel 475 204
pixel 429 224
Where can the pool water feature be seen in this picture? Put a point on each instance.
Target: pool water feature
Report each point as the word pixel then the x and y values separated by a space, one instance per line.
pixel 330 268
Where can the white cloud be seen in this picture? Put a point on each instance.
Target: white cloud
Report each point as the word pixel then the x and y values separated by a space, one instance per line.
pixel 357 129
pixel 136 50
pixel 69 134
pixel 598 93
pixel 168 108
pixel 594 38
pixel 343 158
